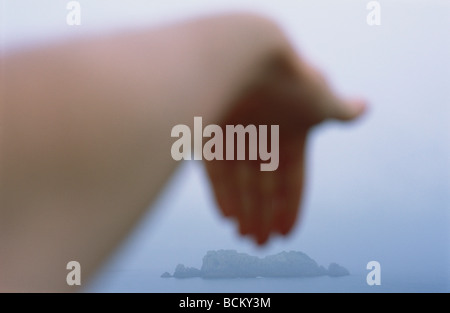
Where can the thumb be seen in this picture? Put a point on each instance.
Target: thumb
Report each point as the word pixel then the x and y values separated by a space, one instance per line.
pixel 347 110
pixel 329 104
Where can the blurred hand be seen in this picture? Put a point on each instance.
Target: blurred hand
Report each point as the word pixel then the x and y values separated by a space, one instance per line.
pixel 289 93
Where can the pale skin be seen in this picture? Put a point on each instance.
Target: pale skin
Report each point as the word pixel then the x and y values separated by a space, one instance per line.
pixel 85 136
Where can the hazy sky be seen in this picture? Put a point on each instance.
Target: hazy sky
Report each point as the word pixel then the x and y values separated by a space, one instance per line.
pixel 378 189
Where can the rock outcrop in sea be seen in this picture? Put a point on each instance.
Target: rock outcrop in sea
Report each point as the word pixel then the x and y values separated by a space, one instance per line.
pixel 232 264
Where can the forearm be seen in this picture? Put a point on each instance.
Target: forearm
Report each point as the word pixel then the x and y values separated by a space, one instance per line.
pixel 85 135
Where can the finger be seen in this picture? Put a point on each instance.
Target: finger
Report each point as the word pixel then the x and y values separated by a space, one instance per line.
pixel 347 110
pixel 325 101
pixel 221 174
pixel 289 185
pixel 289 196
pixel 266 189
pixel 245 210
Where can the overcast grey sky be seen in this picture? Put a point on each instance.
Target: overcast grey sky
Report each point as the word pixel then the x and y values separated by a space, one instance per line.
pixel 378 189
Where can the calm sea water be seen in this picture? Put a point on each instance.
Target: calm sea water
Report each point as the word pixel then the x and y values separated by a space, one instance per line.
pixel 147 281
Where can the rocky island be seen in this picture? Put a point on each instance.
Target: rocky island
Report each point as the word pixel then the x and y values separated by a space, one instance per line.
pixel 232 264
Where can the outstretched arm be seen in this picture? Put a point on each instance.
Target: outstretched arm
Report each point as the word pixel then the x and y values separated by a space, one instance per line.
pixel 85 136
